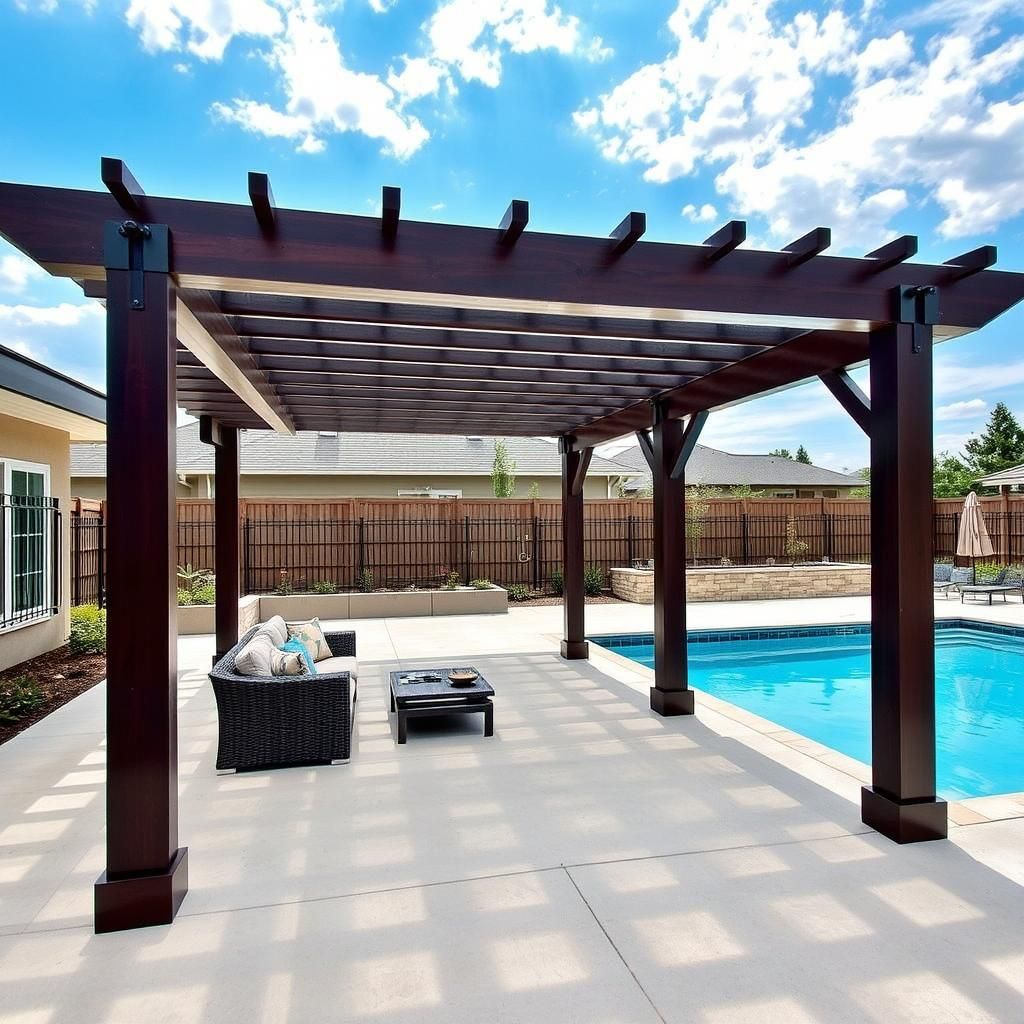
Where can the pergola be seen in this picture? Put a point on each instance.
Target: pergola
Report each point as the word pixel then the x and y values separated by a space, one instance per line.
pixel 254 317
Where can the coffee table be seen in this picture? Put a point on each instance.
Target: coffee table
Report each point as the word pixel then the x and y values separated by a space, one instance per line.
pixel 412 698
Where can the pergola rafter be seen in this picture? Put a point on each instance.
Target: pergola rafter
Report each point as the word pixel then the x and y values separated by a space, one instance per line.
pixel 256 316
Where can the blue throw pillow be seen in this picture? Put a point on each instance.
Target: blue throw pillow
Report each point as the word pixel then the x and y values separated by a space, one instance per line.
pixel 296 646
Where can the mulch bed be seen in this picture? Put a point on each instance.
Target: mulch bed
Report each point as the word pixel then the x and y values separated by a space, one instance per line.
pixel 551 599
pixel 80 672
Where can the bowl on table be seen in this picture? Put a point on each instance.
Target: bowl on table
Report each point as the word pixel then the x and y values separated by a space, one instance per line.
pixel 463 676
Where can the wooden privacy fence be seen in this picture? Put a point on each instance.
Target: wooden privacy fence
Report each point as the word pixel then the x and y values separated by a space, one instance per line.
pixel 402 541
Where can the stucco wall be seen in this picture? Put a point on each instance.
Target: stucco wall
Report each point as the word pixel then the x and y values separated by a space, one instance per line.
pixel 30 442
pixel 297 486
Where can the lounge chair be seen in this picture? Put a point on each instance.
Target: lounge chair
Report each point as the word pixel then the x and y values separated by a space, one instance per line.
pixel 1006 581
pixel 942 578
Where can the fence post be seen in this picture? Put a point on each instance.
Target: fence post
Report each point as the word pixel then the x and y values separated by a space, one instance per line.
pixel 630 547
pixel 469 558
pixel 745 535
pixel 826 535
pixel 362 548
pixel 536 549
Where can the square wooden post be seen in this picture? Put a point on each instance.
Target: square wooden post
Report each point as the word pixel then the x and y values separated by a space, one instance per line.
pixel 901 802
pixel 670 694
pixel 146 876
pixel 226 530
pixel 574 472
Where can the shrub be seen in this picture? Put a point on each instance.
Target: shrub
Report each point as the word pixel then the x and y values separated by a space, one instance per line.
pixel 518 591
pixel 19 696
pixel 593 580
pixel 558 583
pixel 324 587
pixel 195 586
pixel 795 547
pixel 481 584
pixel 284 587
pixel 88 629
pixel 366 581
pixel 205 593
pixel 987 571
pixel 451 581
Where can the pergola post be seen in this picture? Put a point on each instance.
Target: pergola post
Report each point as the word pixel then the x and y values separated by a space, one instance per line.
pixel 670 694
pixel 226 530
pixel 901 803
pixel 574 472
pixel 146 874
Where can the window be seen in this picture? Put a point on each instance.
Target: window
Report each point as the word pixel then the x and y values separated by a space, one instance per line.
pixel 29 518
pixel 830 492
pixel 805 494
pixel 430 492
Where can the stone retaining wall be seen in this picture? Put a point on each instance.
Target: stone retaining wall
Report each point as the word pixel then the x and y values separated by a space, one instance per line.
pixel 759 583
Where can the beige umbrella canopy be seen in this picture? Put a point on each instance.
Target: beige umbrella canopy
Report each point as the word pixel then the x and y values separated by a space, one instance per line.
pixel 973 540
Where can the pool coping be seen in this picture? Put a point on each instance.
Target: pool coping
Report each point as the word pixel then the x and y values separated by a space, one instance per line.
pixel 838 772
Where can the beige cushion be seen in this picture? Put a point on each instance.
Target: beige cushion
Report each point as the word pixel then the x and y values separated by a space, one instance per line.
pixel 329 665
pixel 312 636
pixel 286 663
pixel 254 659
pixel 276 628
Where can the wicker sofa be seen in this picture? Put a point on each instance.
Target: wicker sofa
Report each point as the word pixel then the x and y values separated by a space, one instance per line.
pixel 273 721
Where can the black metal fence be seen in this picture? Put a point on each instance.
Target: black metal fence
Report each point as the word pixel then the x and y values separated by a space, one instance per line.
pixel 30 558
pixel 350 553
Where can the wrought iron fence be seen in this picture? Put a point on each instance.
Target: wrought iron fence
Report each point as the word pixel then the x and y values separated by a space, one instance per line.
pixel 30 558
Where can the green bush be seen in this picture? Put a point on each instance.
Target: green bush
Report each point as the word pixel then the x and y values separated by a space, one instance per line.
pixel 593 580
pixel 284 587
pixel 987 571
pixel 366 581
pixel 324 587
pixel 195 586
pixel 518 591
pixel 452 580
pixel 481 584
pixel 19 697
pixel 88 629
pixel 557 583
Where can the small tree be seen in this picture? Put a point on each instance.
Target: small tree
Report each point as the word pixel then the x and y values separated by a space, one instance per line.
pixel 503 471
pixel 865 491
pixel 534 491
pixel 741 491
pixel 802 456
pixel 795 547
pixel 781 453
pixel 1000 446
pixel 698 502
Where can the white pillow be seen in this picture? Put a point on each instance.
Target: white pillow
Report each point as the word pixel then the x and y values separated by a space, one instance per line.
pixel 286 663
pixel 276 628
pixel 254 659
pixel 312 635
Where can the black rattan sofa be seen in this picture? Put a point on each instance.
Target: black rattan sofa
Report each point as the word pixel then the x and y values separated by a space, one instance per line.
pixel 273 721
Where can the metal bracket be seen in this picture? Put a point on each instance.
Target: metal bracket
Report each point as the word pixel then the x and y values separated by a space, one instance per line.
pixel 139 249
pixel 917 305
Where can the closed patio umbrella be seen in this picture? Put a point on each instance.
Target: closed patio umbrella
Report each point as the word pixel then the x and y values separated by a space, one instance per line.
pixel 973 539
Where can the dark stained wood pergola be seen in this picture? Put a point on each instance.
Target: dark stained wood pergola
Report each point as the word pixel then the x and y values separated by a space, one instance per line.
pixel 254 317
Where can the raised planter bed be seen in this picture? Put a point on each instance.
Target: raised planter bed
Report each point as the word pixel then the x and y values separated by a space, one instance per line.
pixel 197 619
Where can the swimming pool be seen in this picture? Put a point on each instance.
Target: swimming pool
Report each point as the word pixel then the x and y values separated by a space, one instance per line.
pixel 816 680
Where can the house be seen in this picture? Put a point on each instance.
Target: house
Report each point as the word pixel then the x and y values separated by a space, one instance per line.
pixel 769 475
pixel 41 413
pixel 1006 480
pixel 331 464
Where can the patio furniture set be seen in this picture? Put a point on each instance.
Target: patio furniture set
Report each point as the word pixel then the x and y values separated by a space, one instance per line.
pixel 947 578
pixel 286 694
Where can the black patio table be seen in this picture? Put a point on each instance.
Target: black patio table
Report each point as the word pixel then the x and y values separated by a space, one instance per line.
pixel 425 693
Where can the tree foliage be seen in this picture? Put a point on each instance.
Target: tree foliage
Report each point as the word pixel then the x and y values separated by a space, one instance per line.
pixel 951 477
pixel 698 503
pixel 781 453
pixel 802 456
pixel 1000 445
pixel 503 471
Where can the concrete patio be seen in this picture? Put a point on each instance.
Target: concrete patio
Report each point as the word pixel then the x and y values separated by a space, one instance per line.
pixel 593 862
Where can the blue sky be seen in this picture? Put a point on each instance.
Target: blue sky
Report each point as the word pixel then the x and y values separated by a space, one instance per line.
pixel 874 118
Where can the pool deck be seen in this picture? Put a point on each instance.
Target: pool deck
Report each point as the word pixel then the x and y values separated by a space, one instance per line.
pixel 590 863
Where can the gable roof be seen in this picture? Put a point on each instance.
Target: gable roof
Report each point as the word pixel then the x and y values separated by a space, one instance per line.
pixel 349 454
pixel 725 469
pixel 1005 477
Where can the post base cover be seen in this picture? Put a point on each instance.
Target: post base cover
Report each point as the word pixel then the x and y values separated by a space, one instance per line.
pixel 142 900
pixel 575 649
pixel 671 702
pixel 903 821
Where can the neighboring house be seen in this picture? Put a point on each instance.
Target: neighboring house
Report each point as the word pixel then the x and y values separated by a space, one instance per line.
pixel 327 464
pixel 769 475
pixel 41 413
pixel 1006 480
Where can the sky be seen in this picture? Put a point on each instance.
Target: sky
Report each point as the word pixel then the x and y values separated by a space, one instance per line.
pixel 873 118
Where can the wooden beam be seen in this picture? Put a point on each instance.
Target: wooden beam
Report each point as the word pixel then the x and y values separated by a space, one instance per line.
pixel 627 233
pixel 901 801
pixel 970 263
pixel 334 256
pixel 513 224
pixel 892 253
pixel 691 434
pixel 209 429
pixel 122 185
pixel 725 239
pixel 206 333
pixel 262 199
pixel 380 389
pixel 580 474
pixel 574 644
pixel 846 392
pixel 643 438
pixel 391 208
pixel 670 694
pixel 808 246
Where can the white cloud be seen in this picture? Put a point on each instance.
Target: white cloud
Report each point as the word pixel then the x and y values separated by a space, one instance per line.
pixel 420 76
pixel 969 409
pixel 743 82
pixel 67 335
pixel 382 6
pixel 202 27
pixel 16 271
pixel 700 214
pixel 953 379
pixel 437 207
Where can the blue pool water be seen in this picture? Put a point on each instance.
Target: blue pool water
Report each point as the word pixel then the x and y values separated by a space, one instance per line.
pixel 817 682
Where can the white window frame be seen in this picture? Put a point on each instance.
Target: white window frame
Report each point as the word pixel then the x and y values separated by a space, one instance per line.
pixel 430 492
pixel 11 466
